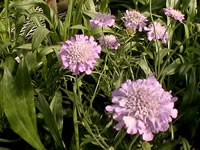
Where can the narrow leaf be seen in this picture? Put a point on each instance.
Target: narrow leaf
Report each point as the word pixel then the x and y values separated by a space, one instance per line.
pixel 50 121
pixel 39 36
pixel 57 110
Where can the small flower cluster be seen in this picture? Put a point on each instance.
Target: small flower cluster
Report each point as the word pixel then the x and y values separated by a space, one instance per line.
pixel 137 21
pixel 109 41
pixel 134 20
pixel 177 15
pixel 157 31
pixel 102 20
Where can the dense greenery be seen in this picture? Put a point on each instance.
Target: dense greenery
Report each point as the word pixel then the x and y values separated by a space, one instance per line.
pixel 43 106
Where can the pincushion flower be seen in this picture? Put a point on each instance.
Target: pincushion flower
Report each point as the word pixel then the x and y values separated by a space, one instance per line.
pixel 103 20
pixel 143 107
pixel 79 54
pixel 177 15
pixel 157 31
pixel 109 41
pixel 134 20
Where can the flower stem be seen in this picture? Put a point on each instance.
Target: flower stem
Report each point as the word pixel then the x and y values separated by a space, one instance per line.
pixel 157 54
pixel 95 91
pixel 75 118
pixel 133 141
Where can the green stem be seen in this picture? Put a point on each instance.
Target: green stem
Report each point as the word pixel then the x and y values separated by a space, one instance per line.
pixel 95 91
pixel 157 54
pixel 135 138
pixel 75 118
pixel 93 135
pixel 172 132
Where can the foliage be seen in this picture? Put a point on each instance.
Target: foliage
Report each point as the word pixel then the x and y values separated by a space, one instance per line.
pixel 43 106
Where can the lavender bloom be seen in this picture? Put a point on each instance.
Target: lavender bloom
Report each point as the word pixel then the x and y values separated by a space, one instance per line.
pixel 177 15
pixel 79 54
pixel 159 32
pixel 143 107
pixel 109 41
pixel 102 20
pixel 135 20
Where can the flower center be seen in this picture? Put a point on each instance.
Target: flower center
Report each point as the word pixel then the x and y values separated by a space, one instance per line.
pixel 80 51
pixel 142 106
pixel 159 31
pixel 176 12
pixel 135 16
pixel 110 39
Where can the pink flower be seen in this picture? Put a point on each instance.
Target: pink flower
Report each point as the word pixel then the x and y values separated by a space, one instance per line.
pixel 103 20
pixel 157 31
pixel 79 54
pixel 109 41
pixel 143 107
pixel 134 20
pixel 177 15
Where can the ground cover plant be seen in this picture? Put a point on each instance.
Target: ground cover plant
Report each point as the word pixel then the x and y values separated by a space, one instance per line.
pixel 110 74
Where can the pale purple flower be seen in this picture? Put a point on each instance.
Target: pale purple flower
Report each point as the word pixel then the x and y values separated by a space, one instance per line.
pixel 176 14
pixel 109 41
pixel 157 31
pixel 79 54
pixel 102 20
pixel 134 20
pixel 143 107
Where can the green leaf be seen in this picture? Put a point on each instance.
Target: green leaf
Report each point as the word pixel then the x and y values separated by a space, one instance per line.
pixel 50 121
pixel 31 60
pixel 144 66
pixel 79 26
pixel 4 148
pixel 90 5
pixel 25 46
pixel 187 34
pixel 57 110
pixel 68 19
pixel 186 145
pixel 2 27
pixel 10 62
pixel 47 50
pixel 39 35
pixel 26 4
pixel 167 146
pixel 171 3
pixel 7 141
pixel 18 100
pixel 171 68
pixel 104 6
pixel 164 52
pixel 99 30
pixel 19 25
pixel 146 146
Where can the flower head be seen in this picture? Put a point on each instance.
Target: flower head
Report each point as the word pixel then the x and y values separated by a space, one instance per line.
pixel 135 20
pixel 79 54
pixel 157 31
pixel 143 107
pixel 109 41
pixel 102 20
pixel 177 15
